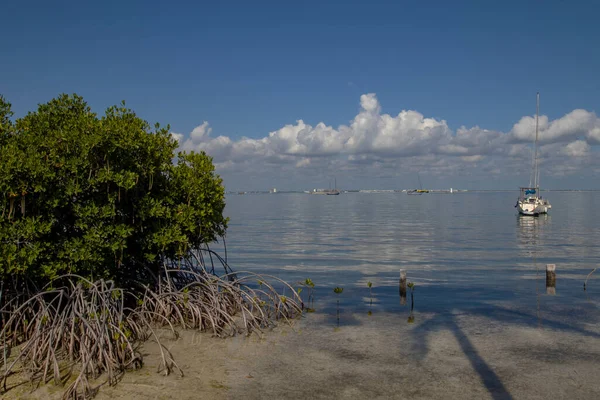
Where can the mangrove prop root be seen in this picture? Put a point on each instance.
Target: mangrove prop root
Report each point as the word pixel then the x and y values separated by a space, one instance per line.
pixel 79 331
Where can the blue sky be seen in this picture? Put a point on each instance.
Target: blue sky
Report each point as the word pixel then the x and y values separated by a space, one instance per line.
pixel 250 68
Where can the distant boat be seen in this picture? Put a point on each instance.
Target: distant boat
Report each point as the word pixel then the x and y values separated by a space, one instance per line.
pixel 328 192
pixel 530 201
pixel 418 191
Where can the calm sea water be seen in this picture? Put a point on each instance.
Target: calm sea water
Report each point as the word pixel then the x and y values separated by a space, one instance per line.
pixel 466 252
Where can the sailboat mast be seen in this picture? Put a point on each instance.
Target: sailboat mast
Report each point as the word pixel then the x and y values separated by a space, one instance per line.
pixel 537 113
pixel 535 162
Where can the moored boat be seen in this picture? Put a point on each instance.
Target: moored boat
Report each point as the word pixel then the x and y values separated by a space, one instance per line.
pixel 530 201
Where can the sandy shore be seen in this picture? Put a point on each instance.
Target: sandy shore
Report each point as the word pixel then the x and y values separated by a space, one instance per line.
pixel 451 356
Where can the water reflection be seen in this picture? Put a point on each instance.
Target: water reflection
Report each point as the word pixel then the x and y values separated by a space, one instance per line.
pixel 338 291
pixel 402 288
pixel 529 236
pixel 530 233
pixel 321 233
pixel 475 264
pixel 455 247
pixel 551 279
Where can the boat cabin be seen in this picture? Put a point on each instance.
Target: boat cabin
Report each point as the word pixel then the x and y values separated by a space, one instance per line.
pixel 529 194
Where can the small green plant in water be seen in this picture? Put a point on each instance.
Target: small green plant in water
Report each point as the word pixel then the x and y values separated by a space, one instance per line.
pixel 309 284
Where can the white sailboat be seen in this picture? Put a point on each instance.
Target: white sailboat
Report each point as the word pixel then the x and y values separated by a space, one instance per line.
pixel 530 201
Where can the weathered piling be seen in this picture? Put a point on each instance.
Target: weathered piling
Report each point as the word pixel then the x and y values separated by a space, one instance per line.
pixel 550 279
pixel 402 287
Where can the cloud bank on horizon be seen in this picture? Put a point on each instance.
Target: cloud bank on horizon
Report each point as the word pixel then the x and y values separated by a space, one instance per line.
pixel 376 144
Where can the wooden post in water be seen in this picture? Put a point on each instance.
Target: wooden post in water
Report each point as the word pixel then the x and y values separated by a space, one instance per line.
pixel 402 287
pixel 551 279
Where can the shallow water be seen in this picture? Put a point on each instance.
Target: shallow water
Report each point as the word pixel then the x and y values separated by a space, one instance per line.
pixel 484 325
pixel 465 252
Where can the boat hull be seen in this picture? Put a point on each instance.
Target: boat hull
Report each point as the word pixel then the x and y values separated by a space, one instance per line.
pixel 326 192
pixel 529 213
pixel 533 207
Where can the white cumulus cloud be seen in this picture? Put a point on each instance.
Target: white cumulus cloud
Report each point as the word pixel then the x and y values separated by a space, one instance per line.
pixel 401 141
pixel 572 125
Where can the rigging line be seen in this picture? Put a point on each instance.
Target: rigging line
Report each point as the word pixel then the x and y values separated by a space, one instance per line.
pixel 537 113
